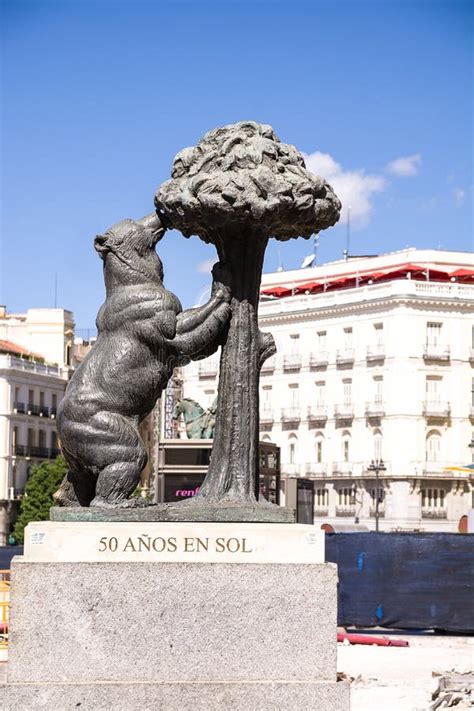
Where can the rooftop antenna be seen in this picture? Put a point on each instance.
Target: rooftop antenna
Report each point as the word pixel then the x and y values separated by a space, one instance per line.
pixel 348 234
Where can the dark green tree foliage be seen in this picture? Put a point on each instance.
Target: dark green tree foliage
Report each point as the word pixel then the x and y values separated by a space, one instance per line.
pixel 44 480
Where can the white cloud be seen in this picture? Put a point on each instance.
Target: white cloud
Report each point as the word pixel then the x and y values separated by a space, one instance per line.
pixel 459 194
pixel 206 266
pixel 355 188
pixel 406 166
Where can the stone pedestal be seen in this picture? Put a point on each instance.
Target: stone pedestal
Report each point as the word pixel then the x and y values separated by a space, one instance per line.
pixel 158 633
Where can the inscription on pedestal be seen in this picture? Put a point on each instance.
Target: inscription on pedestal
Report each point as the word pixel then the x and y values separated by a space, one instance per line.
pixel 174 542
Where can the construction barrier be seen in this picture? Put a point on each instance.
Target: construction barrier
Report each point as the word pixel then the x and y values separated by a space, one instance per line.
pixel 4 607
pixel 404 580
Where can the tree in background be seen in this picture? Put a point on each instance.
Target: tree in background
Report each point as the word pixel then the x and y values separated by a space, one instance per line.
pixel 38 497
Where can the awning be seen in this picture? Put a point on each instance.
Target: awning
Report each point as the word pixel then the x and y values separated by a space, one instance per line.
pixel 277 291
pixel 463 273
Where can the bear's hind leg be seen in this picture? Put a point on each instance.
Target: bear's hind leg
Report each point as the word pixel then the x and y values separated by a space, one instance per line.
pixel 116 483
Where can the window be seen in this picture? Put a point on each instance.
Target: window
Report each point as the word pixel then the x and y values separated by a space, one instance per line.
pixel 346 497
pixel 373 496
pixel 378 332
pixel 294 396
pixel 433 447
pixel 295 343
pixel 321 498
pixel 346 443
pixel 210 396
pixel 321 393
pixel 292 448
pixel 433 388
pixel 68 354
pixel 433 498
pixel 319 449
pixel 54 440
pixel 17 395
pixel 41 438
pixel 41 398
pixel 377 446
pixel 31 397
pixel 267 397
pixel 433 334
pixel 348 338
pixel 347 391
pixel 54 401
pixel 378 389
pixel 31 437
pixel 15 436
pixel 322 340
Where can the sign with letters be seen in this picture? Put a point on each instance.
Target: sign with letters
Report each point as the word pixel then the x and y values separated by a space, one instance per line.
pixel 198 542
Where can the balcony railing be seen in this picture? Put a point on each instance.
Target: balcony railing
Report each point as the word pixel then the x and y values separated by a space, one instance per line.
pixel 316 468
pixel 321 510
pixel 290 469
pixel 376 352
pixel 319 360
pixel 436 351
pixel 436 408
pixel 345 356
pixel 381 511
pixel 345 510
pixel 208 369
pixel 344 411
pixel 52 413
pixel 15 363
pixel 26 450
pixel 267 416
pixel 436 469
pixel 428 512
pixel 32 409
pixel 43 411
pixel 290 414
pixel 375 409
pixel 268 366
pixel 341 468
pixel 317 413
pixel 19 407
pixel 292 362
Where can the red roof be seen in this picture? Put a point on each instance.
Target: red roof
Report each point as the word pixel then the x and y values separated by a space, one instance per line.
pixel 463 273
pixel 15 349
pixel 395 272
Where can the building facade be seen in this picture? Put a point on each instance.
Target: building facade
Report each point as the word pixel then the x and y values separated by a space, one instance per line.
pixel 34 370
pixel 371 393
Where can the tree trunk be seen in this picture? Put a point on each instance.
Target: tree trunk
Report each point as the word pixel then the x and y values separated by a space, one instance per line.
pixel 233 471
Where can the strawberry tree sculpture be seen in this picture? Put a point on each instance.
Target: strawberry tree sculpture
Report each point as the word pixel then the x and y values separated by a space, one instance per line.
pixel 237 188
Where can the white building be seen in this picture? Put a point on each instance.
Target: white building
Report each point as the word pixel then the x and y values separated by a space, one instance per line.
pixel 375 361
pixel 35 359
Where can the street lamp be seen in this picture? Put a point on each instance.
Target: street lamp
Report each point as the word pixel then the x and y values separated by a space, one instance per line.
pixel 377 466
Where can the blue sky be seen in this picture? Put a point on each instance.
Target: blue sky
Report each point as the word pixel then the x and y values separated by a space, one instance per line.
pixel 99 96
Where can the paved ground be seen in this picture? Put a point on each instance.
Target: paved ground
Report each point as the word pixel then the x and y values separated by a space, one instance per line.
pixel 400 678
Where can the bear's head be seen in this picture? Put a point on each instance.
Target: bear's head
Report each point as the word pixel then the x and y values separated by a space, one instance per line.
pixel 128 251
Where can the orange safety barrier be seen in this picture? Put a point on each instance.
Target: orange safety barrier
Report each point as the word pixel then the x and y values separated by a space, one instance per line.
pixel 4 607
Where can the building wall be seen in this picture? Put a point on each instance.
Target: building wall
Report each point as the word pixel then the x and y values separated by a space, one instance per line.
pixel 416 434
pixel 47 332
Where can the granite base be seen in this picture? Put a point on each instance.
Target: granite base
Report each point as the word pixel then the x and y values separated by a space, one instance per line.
pixel 153 696
pixel 172 635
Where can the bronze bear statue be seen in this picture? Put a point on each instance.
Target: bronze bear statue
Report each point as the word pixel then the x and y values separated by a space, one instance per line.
pixel 143 334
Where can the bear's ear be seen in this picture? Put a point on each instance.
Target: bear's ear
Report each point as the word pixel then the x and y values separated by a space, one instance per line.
pixel 100 245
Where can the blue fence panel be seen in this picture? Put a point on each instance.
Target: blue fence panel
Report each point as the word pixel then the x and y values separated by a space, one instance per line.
pixel 406 580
